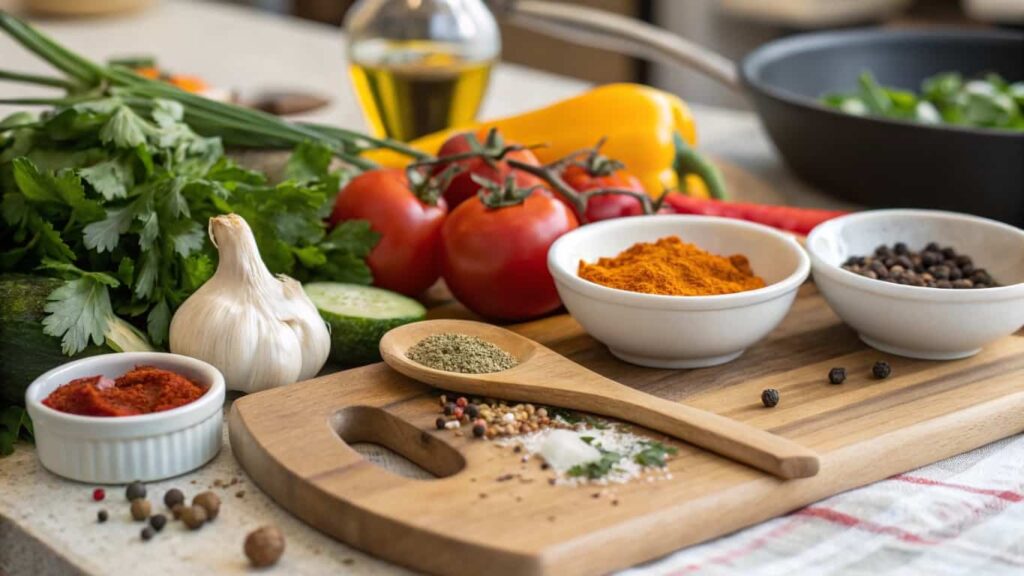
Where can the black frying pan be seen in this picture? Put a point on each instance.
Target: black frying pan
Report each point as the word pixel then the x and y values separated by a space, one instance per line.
pixel 871 161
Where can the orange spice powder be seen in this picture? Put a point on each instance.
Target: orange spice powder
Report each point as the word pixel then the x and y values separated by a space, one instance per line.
pixel 672 267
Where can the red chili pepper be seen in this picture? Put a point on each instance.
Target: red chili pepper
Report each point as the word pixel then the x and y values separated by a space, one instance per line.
pixel 789 218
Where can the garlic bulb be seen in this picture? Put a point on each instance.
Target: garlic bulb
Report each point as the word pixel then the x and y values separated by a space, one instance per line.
pixel 258 330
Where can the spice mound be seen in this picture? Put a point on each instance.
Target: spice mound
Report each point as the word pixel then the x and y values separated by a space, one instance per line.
pixel 143 390
pixel 672 267
pixel 453 352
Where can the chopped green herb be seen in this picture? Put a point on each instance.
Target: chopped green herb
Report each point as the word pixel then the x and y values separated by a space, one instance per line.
pixel 598 468
pixel 654 454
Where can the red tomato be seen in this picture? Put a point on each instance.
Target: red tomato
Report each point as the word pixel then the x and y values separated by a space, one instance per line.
pixel 610 206
pixel 407 258
pixel 462 185
pixel 495 259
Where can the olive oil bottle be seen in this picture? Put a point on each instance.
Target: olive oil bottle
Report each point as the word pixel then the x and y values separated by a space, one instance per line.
pixel 415 96
pixel 419 66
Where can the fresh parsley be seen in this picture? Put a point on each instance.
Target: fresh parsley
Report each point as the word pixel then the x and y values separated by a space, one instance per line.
pixel 116 201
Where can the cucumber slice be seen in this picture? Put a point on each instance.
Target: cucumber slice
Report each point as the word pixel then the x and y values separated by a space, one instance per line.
pixel 359 316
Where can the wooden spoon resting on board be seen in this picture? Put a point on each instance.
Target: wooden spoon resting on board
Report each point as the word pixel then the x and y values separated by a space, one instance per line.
pixel 545 377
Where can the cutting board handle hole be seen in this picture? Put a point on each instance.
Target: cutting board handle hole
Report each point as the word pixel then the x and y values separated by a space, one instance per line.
pixel 359 426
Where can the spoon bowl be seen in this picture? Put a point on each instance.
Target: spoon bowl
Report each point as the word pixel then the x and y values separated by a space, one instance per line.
pixel 545 377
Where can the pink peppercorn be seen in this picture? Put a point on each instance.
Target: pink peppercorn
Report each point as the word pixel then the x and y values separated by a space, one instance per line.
pixel 461 402
pixel 457 413
pixel 99 494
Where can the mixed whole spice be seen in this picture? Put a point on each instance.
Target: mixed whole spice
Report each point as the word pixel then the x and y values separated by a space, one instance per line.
pixel 933 266
pixel 576 448
pixel 263 546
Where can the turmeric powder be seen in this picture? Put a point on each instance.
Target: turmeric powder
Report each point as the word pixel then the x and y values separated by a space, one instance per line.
pixel 673 267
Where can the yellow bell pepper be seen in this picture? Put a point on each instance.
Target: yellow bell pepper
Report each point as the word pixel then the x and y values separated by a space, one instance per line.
pixel 638 122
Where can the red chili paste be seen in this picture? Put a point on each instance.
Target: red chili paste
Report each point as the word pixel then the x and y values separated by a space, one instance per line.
pixel 142 391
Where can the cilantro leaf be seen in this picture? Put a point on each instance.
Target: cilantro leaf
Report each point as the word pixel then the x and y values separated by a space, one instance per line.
pixel 103 235
pixel 78 312
pixel 167 112
pixel 111 178
pixel 310 161
pixel 125 129
pixel 354 236
pixel 158 321
pixel 64 188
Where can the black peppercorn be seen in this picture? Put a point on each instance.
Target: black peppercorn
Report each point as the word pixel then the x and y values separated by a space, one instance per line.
pixel 479 430
pixel 881 370
pixel 472 410
pixel 102 516
pixel 173 497
pixel 158 522
pixel 135 490
pixel 900 248
pixel 147 533
pixel 770 398
pixel 449 408
pixel 837 375
pixel 439 423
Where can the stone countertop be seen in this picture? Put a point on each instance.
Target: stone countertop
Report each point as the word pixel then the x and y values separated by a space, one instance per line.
pixel 47 524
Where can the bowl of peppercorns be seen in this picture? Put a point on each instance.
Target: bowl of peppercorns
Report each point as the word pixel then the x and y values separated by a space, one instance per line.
pixel 922 283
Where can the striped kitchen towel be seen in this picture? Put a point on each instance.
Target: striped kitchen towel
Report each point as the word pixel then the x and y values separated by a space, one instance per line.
pixel 963 515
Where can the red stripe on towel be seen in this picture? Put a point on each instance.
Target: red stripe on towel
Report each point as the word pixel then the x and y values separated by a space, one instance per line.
pixel 1007 495
pixel 837 517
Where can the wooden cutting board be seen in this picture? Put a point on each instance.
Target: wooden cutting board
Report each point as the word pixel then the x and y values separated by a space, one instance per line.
pixel 473 520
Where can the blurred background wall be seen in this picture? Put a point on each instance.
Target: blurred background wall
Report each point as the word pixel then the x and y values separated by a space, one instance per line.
pixel 731 27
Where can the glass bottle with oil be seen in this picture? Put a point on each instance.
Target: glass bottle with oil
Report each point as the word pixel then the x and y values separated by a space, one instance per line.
pixel 419 66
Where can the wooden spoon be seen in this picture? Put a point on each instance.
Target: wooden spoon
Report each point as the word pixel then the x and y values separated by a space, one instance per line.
pixel 545 377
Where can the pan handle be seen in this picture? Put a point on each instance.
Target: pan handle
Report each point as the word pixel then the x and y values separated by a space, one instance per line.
pixel 601 29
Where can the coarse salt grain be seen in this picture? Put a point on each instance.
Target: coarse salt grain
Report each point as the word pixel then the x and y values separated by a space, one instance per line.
pixel 613 437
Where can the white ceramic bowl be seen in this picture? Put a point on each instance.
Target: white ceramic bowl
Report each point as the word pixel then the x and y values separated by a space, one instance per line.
pixel 116 450
pixel 929 323
pixel 679 331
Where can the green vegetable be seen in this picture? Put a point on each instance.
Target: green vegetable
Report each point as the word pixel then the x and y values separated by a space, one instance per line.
pixel 359 316
pixel 945 98
pixel 116 204
pixel 25 351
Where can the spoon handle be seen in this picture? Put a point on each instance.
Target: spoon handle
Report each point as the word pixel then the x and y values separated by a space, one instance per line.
pixel 724 436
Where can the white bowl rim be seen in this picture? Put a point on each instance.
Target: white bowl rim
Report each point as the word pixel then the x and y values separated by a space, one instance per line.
pixel 903 291
pixel 570 280
pixel 215 389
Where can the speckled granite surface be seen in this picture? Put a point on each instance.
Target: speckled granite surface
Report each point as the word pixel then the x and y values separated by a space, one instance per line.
pixel 48 526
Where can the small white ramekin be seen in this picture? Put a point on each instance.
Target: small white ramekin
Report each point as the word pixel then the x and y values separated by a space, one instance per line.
pixel 116 450
pixel 913 321
pixel 679 331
